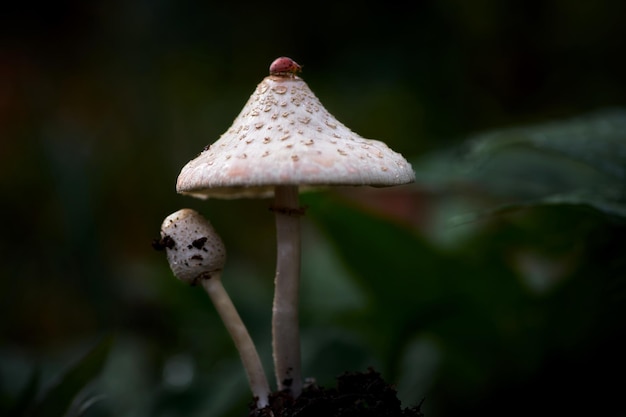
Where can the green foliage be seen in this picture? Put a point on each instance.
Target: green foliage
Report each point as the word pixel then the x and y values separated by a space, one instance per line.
pixel 26 397
pixel 398 268
pixel 61 398
pixel 577 161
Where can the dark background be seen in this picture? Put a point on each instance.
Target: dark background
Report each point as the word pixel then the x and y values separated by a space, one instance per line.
pixel 102 103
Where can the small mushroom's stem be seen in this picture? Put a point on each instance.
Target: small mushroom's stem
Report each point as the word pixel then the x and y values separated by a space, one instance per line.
pixel 247 351
pixel 285 326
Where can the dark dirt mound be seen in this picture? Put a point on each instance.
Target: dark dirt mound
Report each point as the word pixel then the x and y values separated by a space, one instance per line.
pixel 358 394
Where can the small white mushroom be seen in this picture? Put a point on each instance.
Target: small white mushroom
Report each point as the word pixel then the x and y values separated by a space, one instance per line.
pixel 194 250
pixel 196 255
pixel 291 143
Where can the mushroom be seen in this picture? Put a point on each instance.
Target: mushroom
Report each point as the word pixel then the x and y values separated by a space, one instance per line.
pixel 196 255
pixel 284 141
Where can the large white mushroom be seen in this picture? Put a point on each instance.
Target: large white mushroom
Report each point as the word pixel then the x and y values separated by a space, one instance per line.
pixel 284 140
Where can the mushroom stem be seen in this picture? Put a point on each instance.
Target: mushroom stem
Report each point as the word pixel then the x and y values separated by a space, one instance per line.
pixel 285 327
pixel 235 326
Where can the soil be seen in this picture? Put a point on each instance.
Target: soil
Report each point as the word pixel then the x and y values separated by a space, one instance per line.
pixel 357 394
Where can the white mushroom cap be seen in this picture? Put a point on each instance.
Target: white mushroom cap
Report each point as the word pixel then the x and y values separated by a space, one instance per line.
pixel 194 250
pixel 284 136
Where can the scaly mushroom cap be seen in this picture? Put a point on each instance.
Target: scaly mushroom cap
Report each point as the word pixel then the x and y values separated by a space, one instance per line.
pixel 284 136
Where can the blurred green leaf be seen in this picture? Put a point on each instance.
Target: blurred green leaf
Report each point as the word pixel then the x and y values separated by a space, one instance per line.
pixel 580 161
pixel 393 266
pixel 58 398
pixel 27 395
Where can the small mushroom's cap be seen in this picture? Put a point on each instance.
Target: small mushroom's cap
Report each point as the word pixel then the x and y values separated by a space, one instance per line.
pixel 284 136
pixel 194 250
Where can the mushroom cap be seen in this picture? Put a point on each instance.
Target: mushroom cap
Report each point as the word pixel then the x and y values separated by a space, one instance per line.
pixel 285 136
pixel 194 250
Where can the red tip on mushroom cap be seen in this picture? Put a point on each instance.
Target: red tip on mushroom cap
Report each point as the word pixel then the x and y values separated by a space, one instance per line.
pixel 284 66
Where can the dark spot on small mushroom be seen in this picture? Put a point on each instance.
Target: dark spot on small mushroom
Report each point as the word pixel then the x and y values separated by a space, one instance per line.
pixel 163 243
pixel 197 257
pixel 199 243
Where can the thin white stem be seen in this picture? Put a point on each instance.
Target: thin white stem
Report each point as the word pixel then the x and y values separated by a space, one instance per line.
pixel 285 326
pixel 243 342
